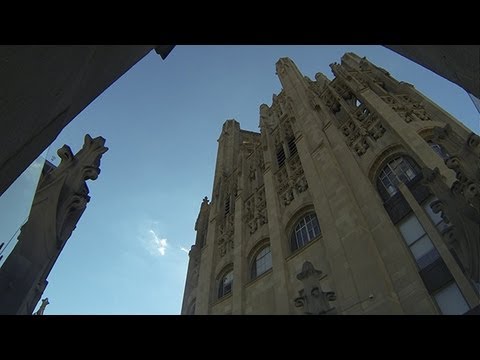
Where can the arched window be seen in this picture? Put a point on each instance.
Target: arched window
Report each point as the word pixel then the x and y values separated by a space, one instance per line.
pixel 305 230
pixel 439 150
pixel 399 169
pixel 262 262
pixel 225 285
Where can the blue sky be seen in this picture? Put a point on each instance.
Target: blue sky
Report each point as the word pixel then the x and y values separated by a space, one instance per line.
pixel 161 121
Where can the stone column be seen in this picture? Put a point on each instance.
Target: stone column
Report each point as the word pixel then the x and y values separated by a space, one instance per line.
pixel 206 276
pixel 238 258
pixel 357 267
pixel 278 241
pixel 463 283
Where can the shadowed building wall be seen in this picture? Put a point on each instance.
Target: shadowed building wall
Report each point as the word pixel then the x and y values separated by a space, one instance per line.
pixel 45 87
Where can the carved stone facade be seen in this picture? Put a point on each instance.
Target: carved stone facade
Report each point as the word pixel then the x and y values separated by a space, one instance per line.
pixel 327 210
pixel 59 202
pixel 459 205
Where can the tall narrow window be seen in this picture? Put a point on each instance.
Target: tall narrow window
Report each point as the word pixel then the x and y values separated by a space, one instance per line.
pixel 262 263
pixel 227 203
pixel 450 300
pixel 418 241
pixel 305 230
pixel 280 156
pixel 225 286
pixel 292 147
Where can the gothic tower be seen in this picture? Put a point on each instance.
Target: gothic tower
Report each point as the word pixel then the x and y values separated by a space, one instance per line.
pixel 358 196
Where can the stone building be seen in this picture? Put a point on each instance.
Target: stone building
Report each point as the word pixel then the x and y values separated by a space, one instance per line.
pixel 358 196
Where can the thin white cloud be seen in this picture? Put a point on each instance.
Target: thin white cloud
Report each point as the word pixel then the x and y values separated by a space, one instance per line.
pixel 183 249
pixel 157 245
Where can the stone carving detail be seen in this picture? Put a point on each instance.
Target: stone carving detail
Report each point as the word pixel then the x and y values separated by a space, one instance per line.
pixel 312 298
pixel 85 165
pixel 224 246
pixel 289 106
pixel 342 89
pixel 361 146
pixel 282 180
pixel 282 66
pixel 357 122
pixel 360 77
pixel 225 239
pixel 251 173
pixel 463 214
pixel 266 122
pixel 256 211
pixel 465 161
pixel 260 162
pixel 193 267
pixel 452 142
pixel 301 184
pixel 291 180
pixel 287 129
pixel 225 225
pixel 277 139
pixel 407 108
pixel 60 200
pixel 356 132
pixel 201 225
pixel 376 131
pixel 330 100
pixel 41 310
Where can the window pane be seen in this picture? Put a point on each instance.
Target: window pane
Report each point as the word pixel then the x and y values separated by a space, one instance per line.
pixel 262 253
pixel 422 247
pixel 263 262
pixel 260 266
pixel 428 258
pixel 268 260
pixel 228 278
pixel 410 174
pixel 306 230
pixel 411 229
pixel 304 236
pixel 227 288
pixel 450 300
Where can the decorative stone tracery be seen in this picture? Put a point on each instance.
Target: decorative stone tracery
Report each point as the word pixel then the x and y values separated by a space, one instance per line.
pixel 460 204
pixel 256 211
pixel 291 180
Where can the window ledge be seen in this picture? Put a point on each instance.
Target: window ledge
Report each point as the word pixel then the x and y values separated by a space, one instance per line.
pixel 223 298
pixel 303 248
pixel 253 281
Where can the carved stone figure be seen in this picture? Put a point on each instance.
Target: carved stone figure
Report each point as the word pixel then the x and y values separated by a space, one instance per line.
pixel 41 310
pixel 465 220
pixel 59 202
pixel 312 298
